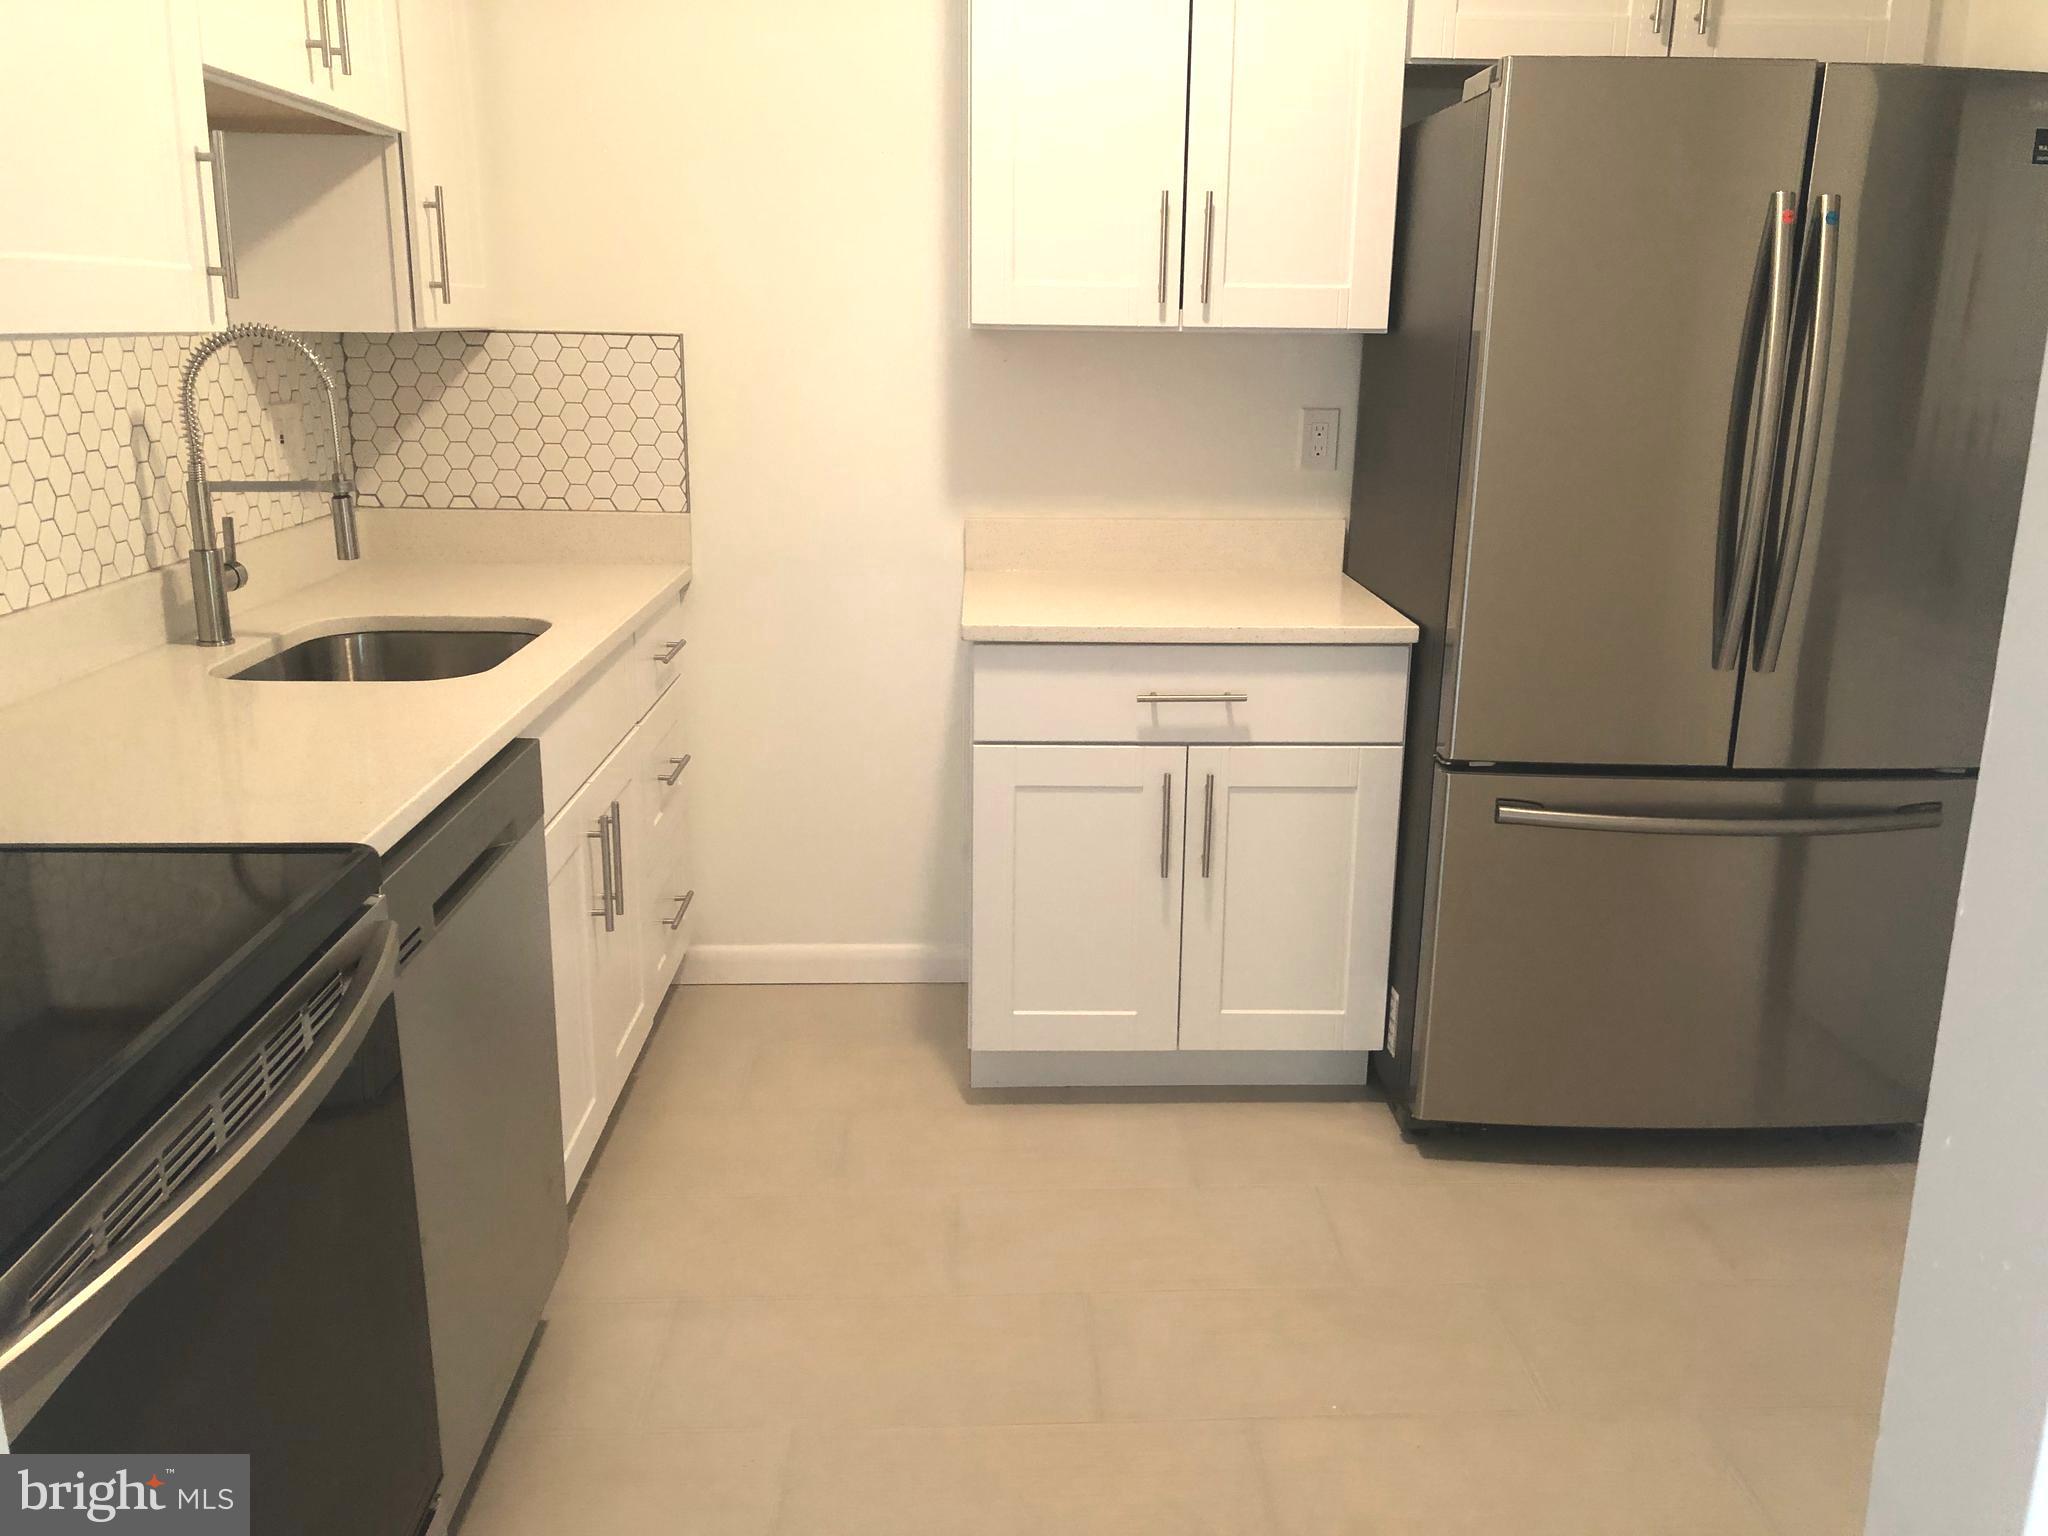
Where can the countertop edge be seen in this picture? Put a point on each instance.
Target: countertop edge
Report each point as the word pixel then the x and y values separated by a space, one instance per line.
pixel 1153 634
pixel 394 830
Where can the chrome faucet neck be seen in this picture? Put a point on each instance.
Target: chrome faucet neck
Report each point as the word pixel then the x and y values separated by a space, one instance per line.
pixel 212 577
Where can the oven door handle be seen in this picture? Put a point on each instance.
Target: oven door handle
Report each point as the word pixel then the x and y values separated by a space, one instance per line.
pixel 35 1361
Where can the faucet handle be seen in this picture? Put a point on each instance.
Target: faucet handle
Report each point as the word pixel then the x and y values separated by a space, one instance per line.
pixel 237 575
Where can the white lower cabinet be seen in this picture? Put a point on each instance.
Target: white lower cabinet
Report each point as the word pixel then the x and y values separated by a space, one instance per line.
pixel 1077 877
pixel 1179 907
pixel 618 877
pixel 1289 903
pixel 586 965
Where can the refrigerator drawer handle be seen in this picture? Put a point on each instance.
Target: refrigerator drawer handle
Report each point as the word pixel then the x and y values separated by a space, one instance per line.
pixel 1904 818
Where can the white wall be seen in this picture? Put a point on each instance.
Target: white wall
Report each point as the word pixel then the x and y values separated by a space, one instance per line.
pixel 1960 1445
pixel 1992 34
pixel 786 185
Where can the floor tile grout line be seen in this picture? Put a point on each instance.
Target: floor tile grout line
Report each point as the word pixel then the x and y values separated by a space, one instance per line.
pixel 1516 1347
pixel 1726 1455
pixel 1088 1328
pixel 785 1479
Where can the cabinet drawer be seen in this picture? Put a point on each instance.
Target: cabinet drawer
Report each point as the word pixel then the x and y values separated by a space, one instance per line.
pixel 581 731
pixel 1136 693
pixel 660 643
pixel 665 759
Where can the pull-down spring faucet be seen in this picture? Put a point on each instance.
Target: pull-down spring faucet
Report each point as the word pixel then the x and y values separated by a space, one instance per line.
pixel 215 571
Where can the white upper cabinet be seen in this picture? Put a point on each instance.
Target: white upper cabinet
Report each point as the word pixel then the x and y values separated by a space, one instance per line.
pixel 1492 29
pixel 365 78
pixel 1290 878
pixel 1294 123
pixel 443 166
pixel 1080 112
pixel 271 43
pixel 105 213
pixel 1833 31
pixel 336 56
pixel 1122 149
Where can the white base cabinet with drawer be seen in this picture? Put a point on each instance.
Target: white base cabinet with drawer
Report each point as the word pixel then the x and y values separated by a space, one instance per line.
pixel 620 900
pixel 1208 909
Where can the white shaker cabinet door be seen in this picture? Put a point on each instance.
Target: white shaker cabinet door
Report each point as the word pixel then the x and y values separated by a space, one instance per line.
pixel 576 932
pixel 104 211
pixel 1079 114
pixel 286 46
pixel 1077 891
pixel 1290 897
pixel 1294 134
pixel 1833 31
pixel 624 1015
pixel 1492 29
pixel 443 166
pixel 367 80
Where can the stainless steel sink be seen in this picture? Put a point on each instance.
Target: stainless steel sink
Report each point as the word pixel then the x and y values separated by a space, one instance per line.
pixel 388 656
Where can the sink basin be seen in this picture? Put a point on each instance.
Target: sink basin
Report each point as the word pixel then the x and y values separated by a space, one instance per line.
pixel 388 656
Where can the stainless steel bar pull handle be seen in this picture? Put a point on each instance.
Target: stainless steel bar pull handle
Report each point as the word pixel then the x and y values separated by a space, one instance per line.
pixel 682 909
pixel 1193 698
pixel 1824 238
pixel 1208 821
pixel 676 767
pixel 603 838
pixel 1208 242
pixel 1904 818
pixel 214 158
pixel 1702 16
pixel 1657 17
pixel 618 877
pixel 341 37
pixel 1165 218
pixel 670 652
pixel 1165 825
pixel 323 44
pixel 437 205
pixel 1767 412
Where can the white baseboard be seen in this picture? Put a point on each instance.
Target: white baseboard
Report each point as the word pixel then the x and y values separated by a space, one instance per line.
pixel 756 964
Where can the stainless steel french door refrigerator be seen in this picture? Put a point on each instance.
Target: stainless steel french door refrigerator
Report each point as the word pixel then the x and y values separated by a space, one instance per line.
pixel 1696 450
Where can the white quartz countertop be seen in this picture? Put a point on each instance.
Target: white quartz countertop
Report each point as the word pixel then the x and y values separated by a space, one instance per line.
pixel 160 748
pixel 1243 607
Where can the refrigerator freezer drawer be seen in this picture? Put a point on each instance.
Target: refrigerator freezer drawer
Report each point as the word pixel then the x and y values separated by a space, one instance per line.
pixel 1663 952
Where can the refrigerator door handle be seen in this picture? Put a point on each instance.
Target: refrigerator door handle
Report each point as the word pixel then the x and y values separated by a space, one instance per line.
pixel 1905 818
pixel 1774 611
pixel 1760 452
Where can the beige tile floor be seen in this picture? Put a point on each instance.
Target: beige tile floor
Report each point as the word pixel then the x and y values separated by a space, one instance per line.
pixel 817 1287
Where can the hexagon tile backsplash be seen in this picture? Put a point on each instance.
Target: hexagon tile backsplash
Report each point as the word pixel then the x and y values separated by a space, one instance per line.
pixel 533 420
pixel 92 468
pixel 92 464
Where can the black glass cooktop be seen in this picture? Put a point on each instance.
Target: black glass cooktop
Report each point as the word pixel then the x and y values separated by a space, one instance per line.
pixel 123 973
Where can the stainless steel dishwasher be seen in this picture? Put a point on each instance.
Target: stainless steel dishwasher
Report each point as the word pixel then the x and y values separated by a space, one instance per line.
pixel 476 1026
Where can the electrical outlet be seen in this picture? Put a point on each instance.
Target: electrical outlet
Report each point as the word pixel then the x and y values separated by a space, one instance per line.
pixel 1319 436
